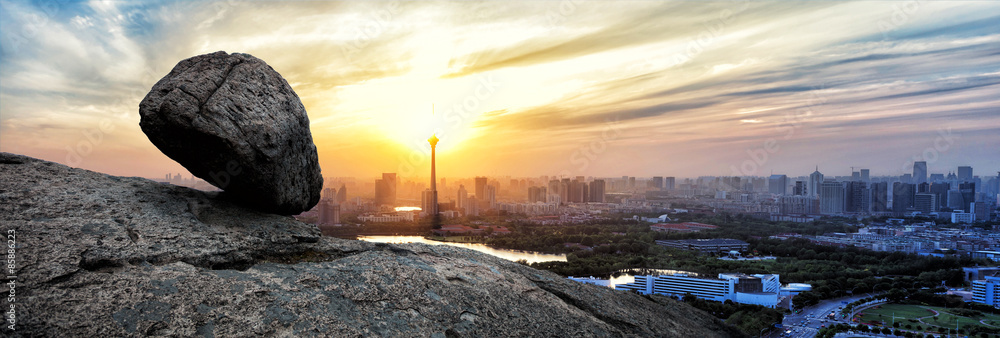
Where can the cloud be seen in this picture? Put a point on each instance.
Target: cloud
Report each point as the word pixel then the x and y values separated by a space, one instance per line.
pixel 691 80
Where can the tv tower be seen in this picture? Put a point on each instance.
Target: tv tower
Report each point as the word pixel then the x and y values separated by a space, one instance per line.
pixel 435 217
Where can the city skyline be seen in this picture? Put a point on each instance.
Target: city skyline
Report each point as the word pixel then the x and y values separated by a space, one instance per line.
pixel 526 89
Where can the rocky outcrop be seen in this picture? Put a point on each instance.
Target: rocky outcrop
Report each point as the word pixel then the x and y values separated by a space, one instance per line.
pixel 99 256
pixel 233 121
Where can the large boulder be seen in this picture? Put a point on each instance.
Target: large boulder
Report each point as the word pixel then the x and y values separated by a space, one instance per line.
pixel 233 121
pixel 105 256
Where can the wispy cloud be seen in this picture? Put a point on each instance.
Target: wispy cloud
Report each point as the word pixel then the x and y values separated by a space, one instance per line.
pixel 698 81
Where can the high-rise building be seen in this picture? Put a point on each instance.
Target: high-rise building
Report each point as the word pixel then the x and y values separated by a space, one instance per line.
pixel 631 182
pixel 968 191
pixel 815 180
pixel 329 212
pixel 471 207
pixel 856 176
pixel 385 190
pixel 597 191
pixel 920 172
pixel 491 196
pixel 537 194
pixel 831 197
pixel 480 187
pixel 463 196
pixel 864 176
pixel 777 184
pixel 940 190
pixel 925 202
pixel 799 189
pixel 956 201
pixel 857 198
pixel 980 212
pixel 965 174
pixel 879 196
pixel 902 196
pixel 656 183
pixel 342 194
pixel 668 182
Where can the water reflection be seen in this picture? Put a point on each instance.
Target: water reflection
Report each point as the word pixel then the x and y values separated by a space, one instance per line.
pixel 512 255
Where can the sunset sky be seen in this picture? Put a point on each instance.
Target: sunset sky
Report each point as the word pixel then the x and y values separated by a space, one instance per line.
pixel 681 88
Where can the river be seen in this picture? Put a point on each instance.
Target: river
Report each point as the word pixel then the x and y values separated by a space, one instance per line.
pixel 512 255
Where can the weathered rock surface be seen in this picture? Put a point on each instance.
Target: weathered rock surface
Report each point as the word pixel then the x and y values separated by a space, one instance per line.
pixel 101 256
pixel 233 121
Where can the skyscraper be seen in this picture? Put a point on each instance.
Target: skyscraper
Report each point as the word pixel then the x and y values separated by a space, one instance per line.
pixel 831 197
pixel 656 183
pixel 864 176
pixel 857 198
pixel 799 189
pixel 668 182
pixel 463 196
pixel 815 180
pixel 925 202
pixel 342 194
pixel 940 190
pixel 480 187
pixel 597 191
pixel 902 196
pixel 385 190
pixel 879 196
pixel 920 172
pixel 965 174
pixel 856 176
pixel 777 184
pixel 491 196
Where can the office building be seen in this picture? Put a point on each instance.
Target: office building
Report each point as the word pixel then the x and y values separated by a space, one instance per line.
pixel 740 288
pixel 940 190
pixel 857 198
pixel 777 184
pixel 385 190
pixel 919 172
pixel 987 291
pixel 980 212
pixel 713 245
pixel 965 174
pixel 799 189
pixel 798 205
pixel 925 203
pixel 831 198
pixel 902 196
pixel 815 180
pixel 962 217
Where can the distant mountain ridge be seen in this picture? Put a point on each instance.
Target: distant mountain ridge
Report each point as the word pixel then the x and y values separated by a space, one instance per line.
pixel 100 255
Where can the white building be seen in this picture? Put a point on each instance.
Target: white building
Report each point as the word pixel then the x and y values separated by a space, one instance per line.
pixel 962 217
pixel 756 289
pixel 987 291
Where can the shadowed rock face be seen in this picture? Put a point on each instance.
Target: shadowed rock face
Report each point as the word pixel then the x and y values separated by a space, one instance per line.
pixel 233 121
pixel 100 255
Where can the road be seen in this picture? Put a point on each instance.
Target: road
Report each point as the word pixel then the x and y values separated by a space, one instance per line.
pixel 815 316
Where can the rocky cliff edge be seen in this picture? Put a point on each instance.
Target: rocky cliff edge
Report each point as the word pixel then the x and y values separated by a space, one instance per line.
pixel 99 255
